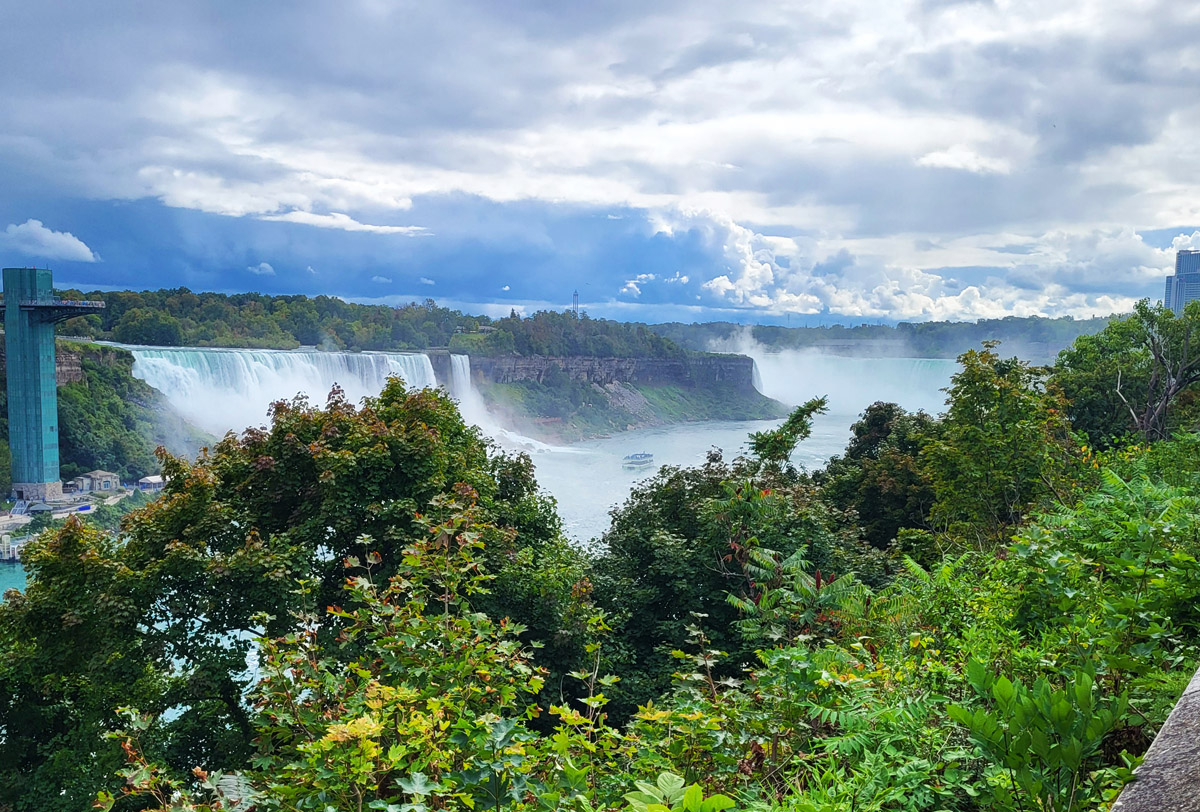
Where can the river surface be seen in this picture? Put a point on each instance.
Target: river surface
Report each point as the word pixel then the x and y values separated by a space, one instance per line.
pixel 587 480
pixel 12 576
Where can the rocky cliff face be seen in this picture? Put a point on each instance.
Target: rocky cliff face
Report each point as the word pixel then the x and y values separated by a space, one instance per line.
pixel 735 371
pixel 67 365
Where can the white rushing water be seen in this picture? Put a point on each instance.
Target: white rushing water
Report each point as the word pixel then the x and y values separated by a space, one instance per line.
pixel 221 390
pixel 463 389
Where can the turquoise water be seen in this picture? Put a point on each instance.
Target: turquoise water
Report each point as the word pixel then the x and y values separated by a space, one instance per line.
pixel 12 576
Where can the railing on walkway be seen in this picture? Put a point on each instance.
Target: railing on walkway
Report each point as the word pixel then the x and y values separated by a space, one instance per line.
pixel 1168 780
pixel 61 303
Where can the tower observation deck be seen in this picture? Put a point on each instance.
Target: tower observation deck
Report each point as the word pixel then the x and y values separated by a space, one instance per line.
pixel 30 312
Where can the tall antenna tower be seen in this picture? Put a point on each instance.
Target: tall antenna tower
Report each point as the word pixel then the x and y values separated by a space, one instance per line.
pixel 575 303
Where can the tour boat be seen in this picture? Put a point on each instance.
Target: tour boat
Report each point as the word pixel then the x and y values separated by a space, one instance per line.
pixel 635 461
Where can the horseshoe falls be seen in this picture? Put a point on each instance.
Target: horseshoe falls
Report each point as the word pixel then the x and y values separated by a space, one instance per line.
pixel 220 390
pixel 853 383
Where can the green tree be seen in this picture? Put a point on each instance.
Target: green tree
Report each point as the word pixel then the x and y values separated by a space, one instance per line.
pixel 775 447
pixel 683 542
pixel 1131 377
pixel 5 467
pixel 1005 446
pixel 425 711
pixel 148 326
pixel 72 649
pixel 880 476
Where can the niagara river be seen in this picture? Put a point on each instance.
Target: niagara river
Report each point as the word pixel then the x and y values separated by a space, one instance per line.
pixel 220 390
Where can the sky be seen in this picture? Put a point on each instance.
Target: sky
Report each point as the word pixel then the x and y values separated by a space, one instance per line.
pixel 798 162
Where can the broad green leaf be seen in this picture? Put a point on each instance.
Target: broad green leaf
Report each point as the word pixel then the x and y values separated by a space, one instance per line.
pixel 418 784
pixel 693 796
pixel 670 785
pixel 717 803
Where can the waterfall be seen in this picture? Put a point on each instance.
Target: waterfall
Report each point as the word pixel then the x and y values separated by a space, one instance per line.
pixel 853 384
pixel 470 403
pixel 221 390
pixel 756 376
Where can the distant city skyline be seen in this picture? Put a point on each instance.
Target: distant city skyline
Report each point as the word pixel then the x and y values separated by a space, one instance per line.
pixel 757 162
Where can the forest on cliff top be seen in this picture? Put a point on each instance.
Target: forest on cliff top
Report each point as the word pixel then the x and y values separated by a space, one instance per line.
pixel 179 317
pixel 369 607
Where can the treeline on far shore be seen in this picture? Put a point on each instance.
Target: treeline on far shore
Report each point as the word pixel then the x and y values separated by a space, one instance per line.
pixel 180 317
pixel 1034 338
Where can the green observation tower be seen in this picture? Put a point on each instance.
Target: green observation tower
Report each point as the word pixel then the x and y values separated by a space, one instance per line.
pixel 30 312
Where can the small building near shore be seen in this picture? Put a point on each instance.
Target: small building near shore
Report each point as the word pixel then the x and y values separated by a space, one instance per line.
pixel 100 481
pixel 151 483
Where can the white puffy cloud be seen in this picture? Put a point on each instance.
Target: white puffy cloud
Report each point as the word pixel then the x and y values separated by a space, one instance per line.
pixel 960 157
pixel 34 239
pixel 261 269
pixel 1060 272
pixel 381 279
pixel 633 287
pixel 1186 241
pixel 340 221
pixel 425 280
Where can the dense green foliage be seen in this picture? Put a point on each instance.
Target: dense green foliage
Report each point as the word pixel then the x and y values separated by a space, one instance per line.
pixel 1033 338
pixel 1005 446
pixel 565 334
pixel 178 316
pixel 971 612
pixel 183 593
pixel 880 477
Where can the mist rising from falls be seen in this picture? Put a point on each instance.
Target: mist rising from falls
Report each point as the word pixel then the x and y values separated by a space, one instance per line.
pixel 220 390
pixel 852 383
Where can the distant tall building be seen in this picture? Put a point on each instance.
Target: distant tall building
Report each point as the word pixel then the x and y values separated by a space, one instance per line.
pixel 1184 286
